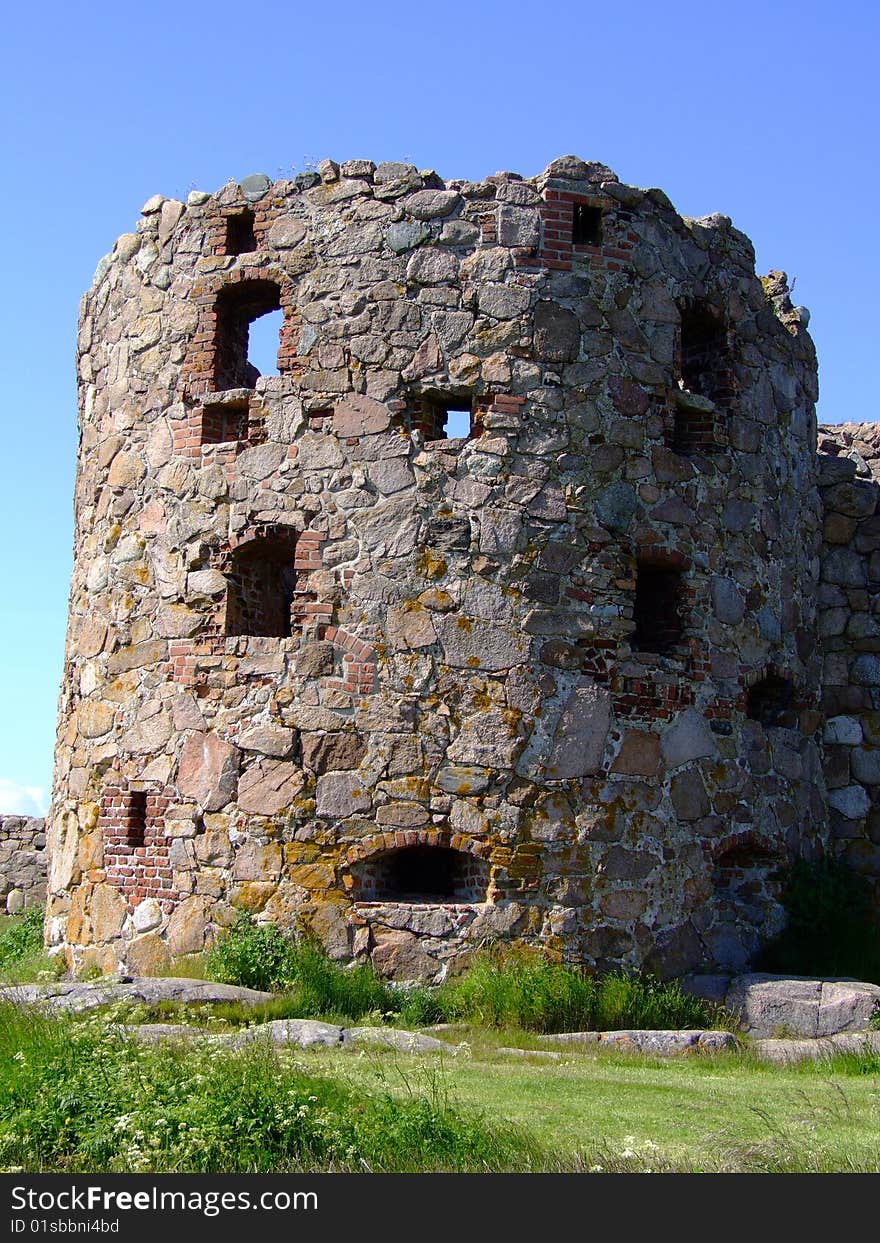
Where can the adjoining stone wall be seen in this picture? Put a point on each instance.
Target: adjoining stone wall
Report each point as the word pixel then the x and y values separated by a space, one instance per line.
pixel 23 862
pixel 849 627
pixel 577 645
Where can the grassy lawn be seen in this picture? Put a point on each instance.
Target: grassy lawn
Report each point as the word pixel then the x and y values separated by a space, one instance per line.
pixel 723 1113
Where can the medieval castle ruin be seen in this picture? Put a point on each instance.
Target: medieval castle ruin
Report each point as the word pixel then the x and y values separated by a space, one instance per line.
pixel 517 605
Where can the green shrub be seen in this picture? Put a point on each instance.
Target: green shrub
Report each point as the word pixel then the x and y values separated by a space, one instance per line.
pixel 76 1097
pixel 253 956
pixel 22 937
pixel 831 927
pixel 262 956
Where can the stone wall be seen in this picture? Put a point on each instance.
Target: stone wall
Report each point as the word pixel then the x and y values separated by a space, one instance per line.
pixel 849 627
pixel 23 862
pixel 555 679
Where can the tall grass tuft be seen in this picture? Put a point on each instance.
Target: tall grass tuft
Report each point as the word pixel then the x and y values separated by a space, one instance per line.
pixel 521 988
pixel 21 949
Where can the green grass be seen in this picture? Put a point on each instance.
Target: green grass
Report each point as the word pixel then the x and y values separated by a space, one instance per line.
pixel 76 1097
pixel 22 957
pixel 512 987
pixel 521 988
pixel 721 1113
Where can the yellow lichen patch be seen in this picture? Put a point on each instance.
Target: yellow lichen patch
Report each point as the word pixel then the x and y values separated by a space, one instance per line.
pixel 252 896
pixel 429 565
pixel 473 662
pixel 465 624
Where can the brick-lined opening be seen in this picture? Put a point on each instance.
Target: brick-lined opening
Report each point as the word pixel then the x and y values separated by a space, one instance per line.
pixel 659 605
pixel 771 701
pixel 444 415
pixel 593 230
pixel 262 585
pixel 704 353
pixel 586 225
pixel 743 866
pixel 136 848
pixel 224 422
pixel 240 238
pixel 421 874
pixel 236 309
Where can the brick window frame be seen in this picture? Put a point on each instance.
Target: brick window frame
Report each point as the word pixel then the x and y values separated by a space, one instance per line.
pixel 131 820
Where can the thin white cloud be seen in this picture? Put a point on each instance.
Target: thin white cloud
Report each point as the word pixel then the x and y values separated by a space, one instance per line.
pixel 19 800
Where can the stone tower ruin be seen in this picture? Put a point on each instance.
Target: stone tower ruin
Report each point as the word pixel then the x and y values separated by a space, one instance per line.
pixel 493 614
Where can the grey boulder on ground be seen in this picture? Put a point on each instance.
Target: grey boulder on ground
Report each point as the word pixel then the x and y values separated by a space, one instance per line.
pixel 300 1033
pixel 664 1043
pixel 395 1038
pixel 770 1005
pixel 78 995
pixel 785 1051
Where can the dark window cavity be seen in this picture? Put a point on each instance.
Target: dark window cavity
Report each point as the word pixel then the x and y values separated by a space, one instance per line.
pixel 422 874
pixel 771 702
pixel 586 229
pixel 262 585
pixel 658 608
pixel 240 238
pixel 134 816
pixel 705 361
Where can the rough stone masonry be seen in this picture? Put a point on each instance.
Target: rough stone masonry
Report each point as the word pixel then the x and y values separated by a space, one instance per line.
pixel 501 611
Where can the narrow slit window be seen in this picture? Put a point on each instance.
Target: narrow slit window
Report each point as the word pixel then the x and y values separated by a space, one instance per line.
pixel 240 239
pixel 586 228
pixel 658 609
pixel 135 817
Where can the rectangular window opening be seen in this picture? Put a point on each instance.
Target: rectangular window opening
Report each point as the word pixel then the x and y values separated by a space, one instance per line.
pixel 136 816
pixel 240 239
pixel 224 424
pixel 586 228
pixel 657 609
pixel 443 416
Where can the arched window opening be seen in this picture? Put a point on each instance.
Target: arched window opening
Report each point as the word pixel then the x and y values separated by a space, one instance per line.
pixel 238 307
pixel 421 874
pixel 705 361
pixel 262 586
pixel 771 702
pixel 240 239
pixel 657 610
pixel 747 872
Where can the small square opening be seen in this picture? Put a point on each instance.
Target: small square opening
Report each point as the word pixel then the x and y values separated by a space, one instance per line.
pixel 240 239
pixel 586 225
pixel 224 424
pixel 443 416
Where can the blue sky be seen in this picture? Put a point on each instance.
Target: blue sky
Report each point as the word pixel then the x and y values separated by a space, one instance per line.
pixel 764 111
